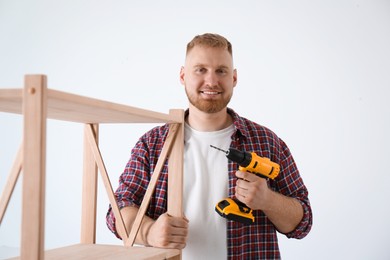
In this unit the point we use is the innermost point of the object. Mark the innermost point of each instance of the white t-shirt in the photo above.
(205, 184)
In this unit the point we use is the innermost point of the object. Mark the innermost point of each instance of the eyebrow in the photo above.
(219, 67)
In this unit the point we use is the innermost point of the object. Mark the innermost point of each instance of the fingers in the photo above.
(169, 232)
(247, 176)
(176, 232)
(177, 221)
(251, 189)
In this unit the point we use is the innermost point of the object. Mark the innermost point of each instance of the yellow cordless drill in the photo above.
(232, 208)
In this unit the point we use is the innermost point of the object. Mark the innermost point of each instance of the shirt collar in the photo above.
(240, 128)
(239, 124)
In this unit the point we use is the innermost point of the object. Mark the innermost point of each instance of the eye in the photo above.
(200, 70)
(221, 71)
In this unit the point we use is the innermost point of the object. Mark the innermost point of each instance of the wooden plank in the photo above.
(76, 108)
(108, 252)
(89, 192)
(105, 112)
(152, 184)
(11, 100)
(175, 166)
(11, 182)
(106, 181)
(34, 168)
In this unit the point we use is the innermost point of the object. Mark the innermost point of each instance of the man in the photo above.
(282, 205)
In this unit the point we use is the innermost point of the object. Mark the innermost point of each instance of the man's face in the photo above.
(209, 78)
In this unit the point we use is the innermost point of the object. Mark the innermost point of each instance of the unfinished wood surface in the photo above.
(37, 103)
(109, 252)
(175, 171)
(169, 141)
(106, 181)
(34, 167)
(76, 108)
(11, 182)
(11, 100)
(89, 191)
(175, 166)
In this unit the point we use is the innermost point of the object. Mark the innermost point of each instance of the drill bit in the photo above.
(242, 158)
(219, 149)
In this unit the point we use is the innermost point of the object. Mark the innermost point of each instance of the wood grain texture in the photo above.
(11, 182)
(106, 180)
(175, 166)
(37, 103)
(76, 108)
(89, 191)
(109, 252)
(34, 167)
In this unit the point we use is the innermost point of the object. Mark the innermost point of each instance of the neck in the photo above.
(208, 122)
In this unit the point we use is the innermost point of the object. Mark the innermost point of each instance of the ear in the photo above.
(234, 77)
(182, 74)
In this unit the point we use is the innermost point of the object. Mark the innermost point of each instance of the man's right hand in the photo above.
(165, 232)
(168, 232)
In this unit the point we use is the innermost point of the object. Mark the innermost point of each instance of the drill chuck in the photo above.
(242, 158)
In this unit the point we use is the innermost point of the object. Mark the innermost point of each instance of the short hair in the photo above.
(210, 40)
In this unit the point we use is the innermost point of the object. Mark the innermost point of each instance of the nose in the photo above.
(211, 79)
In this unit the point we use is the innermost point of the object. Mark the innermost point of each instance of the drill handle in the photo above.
(245, 169)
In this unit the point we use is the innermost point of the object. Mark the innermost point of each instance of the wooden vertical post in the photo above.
(175, 168)
(95, 152)
(89, 200)
(34, 167)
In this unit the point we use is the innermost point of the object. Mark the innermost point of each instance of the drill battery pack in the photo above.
(235, 210)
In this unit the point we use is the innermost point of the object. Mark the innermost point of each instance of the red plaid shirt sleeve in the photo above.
(291, 185)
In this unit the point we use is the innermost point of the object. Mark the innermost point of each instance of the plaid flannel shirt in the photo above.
(256, 241)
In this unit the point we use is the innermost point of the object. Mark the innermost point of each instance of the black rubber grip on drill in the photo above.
(242, 158)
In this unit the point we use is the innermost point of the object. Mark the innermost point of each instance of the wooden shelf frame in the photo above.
(37, 103)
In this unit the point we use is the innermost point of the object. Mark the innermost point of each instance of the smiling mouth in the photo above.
(210, 92)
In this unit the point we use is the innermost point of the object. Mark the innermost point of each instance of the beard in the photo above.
(208, 106)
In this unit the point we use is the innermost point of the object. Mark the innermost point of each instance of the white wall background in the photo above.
(316, 72)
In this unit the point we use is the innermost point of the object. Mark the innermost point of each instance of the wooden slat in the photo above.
(175, 175)
(11, 100)
(89, 195)
(106, 181)
(76, 108)
(175, 166)
(11, 182)
(152, 184)
(34, 167)
(82, 109)
(109, 252)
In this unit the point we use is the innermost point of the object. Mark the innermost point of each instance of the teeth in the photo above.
(210, 92)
